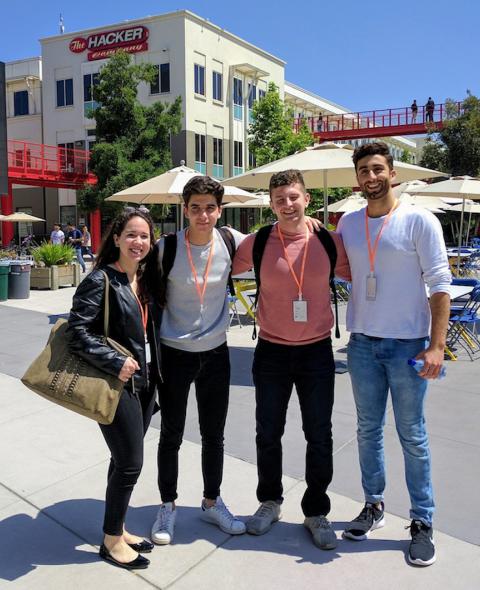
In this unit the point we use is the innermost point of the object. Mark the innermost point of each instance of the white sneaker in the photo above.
(162, 528)
(220, 515)
(267, 513)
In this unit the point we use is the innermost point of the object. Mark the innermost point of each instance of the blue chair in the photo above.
(463, 326)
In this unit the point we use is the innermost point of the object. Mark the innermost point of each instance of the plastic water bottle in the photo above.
(417, 364)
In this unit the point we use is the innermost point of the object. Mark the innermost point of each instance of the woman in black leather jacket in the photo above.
(133, 320)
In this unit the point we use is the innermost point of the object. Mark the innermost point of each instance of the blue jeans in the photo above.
(377, 365)
(276, 369)
(78, 254)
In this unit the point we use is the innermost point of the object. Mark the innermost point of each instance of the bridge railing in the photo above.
(379, 118)
(39, 160)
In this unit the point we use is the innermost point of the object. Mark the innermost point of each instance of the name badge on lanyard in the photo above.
(299, 305)
(371, 282)
(299, 310)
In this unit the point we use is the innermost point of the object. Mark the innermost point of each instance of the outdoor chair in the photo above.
(233, 310)
(343, 289)
(462, 329)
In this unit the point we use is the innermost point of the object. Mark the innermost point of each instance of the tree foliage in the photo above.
(133, 140)
(456, 148)
(271, 133)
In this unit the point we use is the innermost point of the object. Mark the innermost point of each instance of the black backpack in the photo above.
(327, 242)
(170, 251)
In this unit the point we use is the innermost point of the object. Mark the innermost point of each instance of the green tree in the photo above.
(456, 148)
(133, 140)
(271, 133)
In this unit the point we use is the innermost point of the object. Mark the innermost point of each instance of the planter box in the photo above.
(52, 277)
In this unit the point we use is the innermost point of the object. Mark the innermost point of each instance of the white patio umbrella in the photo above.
(326, 165)
(431, 203)
(465, 187)
(352, 203)
(261, 201)
(20, 218)
(167, 188)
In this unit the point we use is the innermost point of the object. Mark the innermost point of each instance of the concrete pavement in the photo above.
(53, 467)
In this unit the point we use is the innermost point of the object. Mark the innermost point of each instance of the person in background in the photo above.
(134, 323)
(57, 236)
(430, 108)
(414, 109)
(87, 243)
(75, 239)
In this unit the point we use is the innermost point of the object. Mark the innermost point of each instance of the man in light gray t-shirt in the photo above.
(194, 350)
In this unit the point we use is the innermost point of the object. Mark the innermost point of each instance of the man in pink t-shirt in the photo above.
(294, 348)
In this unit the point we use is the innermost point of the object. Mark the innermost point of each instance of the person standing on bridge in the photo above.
(430, 107)
(414, 108)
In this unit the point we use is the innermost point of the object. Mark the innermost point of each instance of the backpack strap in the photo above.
(259, 243)
(168, 258)
(331, 249)
(229, 240)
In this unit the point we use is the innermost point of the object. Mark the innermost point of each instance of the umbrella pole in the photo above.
(468, 227)
(325, 199)
(460, 237)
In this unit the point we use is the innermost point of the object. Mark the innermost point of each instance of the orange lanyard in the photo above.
(372, 252)
(200, 290)
(302, 271)
(143, 309)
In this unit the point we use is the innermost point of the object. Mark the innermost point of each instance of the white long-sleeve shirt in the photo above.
(411, 253)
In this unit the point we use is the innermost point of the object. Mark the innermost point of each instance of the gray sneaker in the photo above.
(221, 516)
(323, 534)
(164, 525)
(261, 522)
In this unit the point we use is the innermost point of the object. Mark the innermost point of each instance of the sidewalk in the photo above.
(52, 482)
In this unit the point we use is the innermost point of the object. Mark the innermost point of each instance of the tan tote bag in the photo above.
(66, 379)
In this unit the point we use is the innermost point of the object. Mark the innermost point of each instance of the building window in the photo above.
(199, 79)
(252, 160)
(217, 157)
(20, 103)
(217, 86)
(68, 214)
(89, 104)
(237, 157)
(161, 83)
(261, 94)
(252, 97)
(65, 93)
(67, 156)
(200, 154)
(237, 99)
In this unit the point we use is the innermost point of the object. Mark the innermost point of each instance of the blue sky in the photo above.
(363, 55)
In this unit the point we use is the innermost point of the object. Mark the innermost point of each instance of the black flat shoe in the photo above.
(139, 563)
(142, 547)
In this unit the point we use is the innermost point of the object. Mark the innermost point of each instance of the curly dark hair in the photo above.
(285, 178)
(203, 185)
(372, 149)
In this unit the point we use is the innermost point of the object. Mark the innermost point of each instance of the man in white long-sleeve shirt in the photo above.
(394, 249)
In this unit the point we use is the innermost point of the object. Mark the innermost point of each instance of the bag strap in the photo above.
(106, 304)
(327, 242)
(259, 243)
(231, 247)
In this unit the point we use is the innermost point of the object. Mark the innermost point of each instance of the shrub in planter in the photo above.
(53, 254)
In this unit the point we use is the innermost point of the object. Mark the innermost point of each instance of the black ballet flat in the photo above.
(139, 563)
(142, 547)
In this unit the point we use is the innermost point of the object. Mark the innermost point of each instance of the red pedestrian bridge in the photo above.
(379, 123)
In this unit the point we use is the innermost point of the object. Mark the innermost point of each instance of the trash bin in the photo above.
(4, 270)
(19, 281)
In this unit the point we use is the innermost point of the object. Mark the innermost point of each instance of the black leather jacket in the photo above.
(85, 327)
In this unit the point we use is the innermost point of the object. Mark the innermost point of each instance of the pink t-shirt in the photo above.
(279, 289)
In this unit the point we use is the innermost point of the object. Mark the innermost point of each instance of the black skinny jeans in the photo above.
(276, 369)
(210, 371)
(124, 437)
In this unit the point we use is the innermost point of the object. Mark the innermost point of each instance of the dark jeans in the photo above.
(124, 437)
(210, 371)
(276, 369)
(87, 250)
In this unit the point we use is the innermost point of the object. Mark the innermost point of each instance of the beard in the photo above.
(379, 193)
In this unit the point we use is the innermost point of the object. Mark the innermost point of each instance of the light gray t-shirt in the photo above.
(185, 325)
